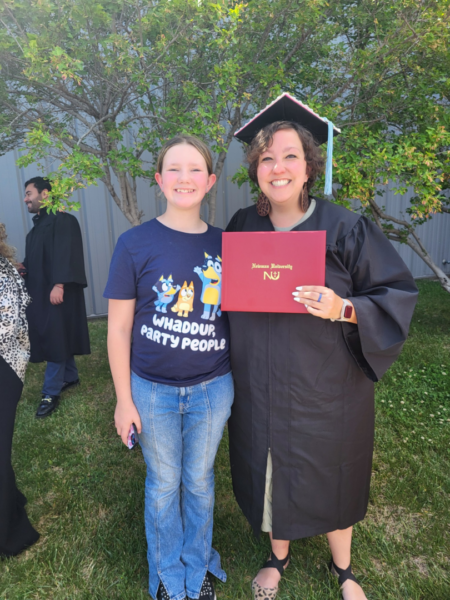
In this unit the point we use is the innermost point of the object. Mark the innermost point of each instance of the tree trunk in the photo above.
(413, 241)
(127, 201)
(212, 200)
(444, 280)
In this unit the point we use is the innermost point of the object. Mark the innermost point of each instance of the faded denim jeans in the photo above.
(56, 373)
(181, 431)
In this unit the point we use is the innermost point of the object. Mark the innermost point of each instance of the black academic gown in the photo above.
(304, 385)
(54, 254)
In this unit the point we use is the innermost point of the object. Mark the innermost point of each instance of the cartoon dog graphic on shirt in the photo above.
(211, 277)
(166, 293)
(185, 302)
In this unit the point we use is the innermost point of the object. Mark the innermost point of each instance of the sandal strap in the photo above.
(343, 574)
(276, 563)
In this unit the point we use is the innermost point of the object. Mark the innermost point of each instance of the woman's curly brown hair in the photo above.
(263, 139)
(6, 250)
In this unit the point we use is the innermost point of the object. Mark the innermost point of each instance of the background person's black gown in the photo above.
(304, 385)
(16, 531)
(54, 254)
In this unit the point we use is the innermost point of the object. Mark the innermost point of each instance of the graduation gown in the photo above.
(304, 385)
(54, 254)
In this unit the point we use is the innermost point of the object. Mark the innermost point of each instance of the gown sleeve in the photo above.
(384, 297)
(25, 258)
(68, 258)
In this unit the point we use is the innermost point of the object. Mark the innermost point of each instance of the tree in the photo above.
(391, 99)
(101, 86)
(417, 160)
(403, 134)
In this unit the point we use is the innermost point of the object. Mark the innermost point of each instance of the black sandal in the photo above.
(342, 574)
(273, 563)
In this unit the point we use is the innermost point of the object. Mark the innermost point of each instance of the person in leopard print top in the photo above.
(14, 341)
(16, 531)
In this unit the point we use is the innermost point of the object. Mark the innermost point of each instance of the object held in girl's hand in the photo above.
(132, 439)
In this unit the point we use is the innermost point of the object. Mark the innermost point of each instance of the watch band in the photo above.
(346, 311)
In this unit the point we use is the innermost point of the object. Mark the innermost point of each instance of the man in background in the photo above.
(55, 279)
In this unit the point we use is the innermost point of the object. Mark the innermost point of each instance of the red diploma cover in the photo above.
(262, 269)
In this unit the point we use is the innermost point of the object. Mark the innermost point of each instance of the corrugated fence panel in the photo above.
(13, 212)
(102, 222)
(434, 234)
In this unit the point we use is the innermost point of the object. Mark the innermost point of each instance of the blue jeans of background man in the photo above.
(181, 431)
(56, 374)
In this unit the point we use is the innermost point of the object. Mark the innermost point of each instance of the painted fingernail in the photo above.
(295, 293)
(299, 288)
(297, 299)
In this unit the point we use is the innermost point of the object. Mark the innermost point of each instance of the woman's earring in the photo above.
(263, 205)
(304, 199)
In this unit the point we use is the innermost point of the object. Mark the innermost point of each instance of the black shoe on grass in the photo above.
(47, 406)
(162, 594)
(69, 384)
(207, 590)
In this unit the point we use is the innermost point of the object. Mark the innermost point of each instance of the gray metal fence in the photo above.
(102, 222)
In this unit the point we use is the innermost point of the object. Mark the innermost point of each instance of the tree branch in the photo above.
(92, 129)
(11, 34)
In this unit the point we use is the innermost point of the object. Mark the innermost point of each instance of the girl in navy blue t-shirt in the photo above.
(169, 354)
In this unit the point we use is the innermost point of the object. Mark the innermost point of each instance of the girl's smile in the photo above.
(184, 179)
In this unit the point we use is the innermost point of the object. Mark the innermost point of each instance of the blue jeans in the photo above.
(56, 373)
(181, 431)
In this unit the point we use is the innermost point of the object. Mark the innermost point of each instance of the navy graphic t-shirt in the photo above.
(180, 335)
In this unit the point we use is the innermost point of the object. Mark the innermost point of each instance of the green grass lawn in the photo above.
(85, 490)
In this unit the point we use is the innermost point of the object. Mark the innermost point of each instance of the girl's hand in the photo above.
(126, 414)
(319, 301)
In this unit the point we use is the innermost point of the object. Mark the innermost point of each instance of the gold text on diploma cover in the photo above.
(273, 275)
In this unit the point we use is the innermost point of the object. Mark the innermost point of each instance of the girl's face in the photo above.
(282, 169)
(184, 179)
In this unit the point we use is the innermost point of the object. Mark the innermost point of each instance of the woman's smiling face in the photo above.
(282, 169)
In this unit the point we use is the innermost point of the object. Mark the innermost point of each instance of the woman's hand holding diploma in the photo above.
(322, 302)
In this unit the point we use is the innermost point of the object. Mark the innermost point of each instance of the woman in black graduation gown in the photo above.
(302, 424)
(16, 531)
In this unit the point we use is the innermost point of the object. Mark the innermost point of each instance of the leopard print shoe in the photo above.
(260, 593)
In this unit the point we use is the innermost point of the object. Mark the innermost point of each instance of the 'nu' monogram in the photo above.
(274, 275)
